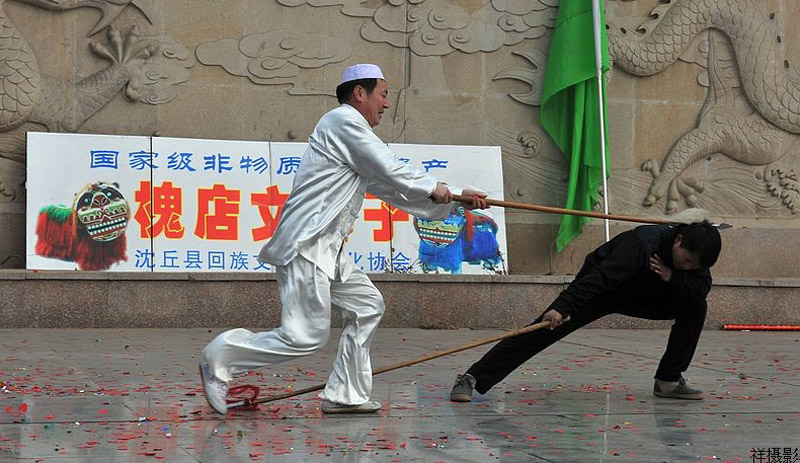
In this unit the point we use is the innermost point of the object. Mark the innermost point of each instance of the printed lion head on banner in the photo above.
(91, 233)
(463, 236)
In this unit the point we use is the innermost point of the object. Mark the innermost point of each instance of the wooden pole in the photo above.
(558, 210)
(424, 358)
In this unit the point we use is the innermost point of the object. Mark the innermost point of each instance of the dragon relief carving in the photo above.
(426, 27)
(784, 184)
(752, 110)
(275, 57)
(532, 165)
(145, 68)
(433, 29)
(531, 76)
(440, 27)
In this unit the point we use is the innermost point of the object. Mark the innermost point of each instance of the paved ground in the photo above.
(133, 396)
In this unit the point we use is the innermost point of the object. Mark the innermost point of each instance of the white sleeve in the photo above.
(366, 154)
(423, 208)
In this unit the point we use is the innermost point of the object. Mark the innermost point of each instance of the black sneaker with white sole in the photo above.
(676, 390)
(462, 389)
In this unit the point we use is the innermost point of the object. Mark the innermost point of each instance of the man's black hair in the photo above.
(345, 91)
(701, 238)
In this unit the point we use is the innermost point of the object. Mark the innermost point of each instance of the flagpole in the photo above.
(598, 55)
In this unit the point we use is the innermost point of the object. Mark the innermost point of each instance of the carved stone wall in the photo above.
(707, 101)
(704, 105)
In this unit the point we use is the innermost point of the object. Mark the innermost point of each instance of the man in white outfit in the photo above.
(344, 160)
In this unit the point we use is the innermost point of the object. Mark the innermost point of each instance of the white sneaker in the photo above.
(214, 389)
(371, 406)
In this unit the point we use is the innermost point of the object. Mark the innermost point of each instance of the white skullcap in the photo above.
(361, 71)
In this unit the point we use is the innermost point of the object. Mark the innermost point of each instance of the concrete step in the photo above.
(71, 299)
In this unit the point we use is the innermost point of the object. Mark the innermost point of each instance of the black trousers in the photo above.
(510, 353)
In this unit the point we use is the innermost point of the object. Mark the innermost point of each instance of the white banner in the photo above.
(102, 202)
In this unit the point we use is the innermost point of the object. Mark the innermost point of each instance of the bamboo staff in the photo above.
(688, 215)
(252, 401)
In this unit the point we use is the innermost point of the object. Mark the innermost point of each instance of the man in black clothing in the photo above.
(657, 272)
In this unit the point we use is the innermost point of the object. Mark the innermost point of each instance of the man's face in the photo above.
(683, 259)
(372, 105)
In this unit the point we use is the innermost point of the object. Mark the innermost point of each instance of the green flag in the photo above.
(570, 111)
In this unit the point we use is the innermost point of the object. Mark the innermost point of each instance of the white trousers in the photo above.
(306, 294)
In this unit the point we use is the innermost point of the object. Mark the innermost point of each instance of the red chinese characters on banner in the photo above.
(143, 198)
(218, 210)
(220, 222)
(387, 216)
(167, 209)
(265, 202)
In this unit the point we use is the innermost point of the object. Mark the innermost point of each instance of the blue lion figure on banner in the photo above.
(463, 236)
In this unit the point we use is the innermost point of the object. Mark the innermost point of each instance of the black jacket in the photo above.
(622, 266)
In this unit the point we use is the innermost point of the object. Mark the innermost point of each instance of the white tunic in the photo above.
(344, 160)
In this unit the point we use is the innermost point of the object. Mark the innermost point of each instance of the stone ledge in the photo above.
(75, 275)
(55, 299)
(377, 277)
